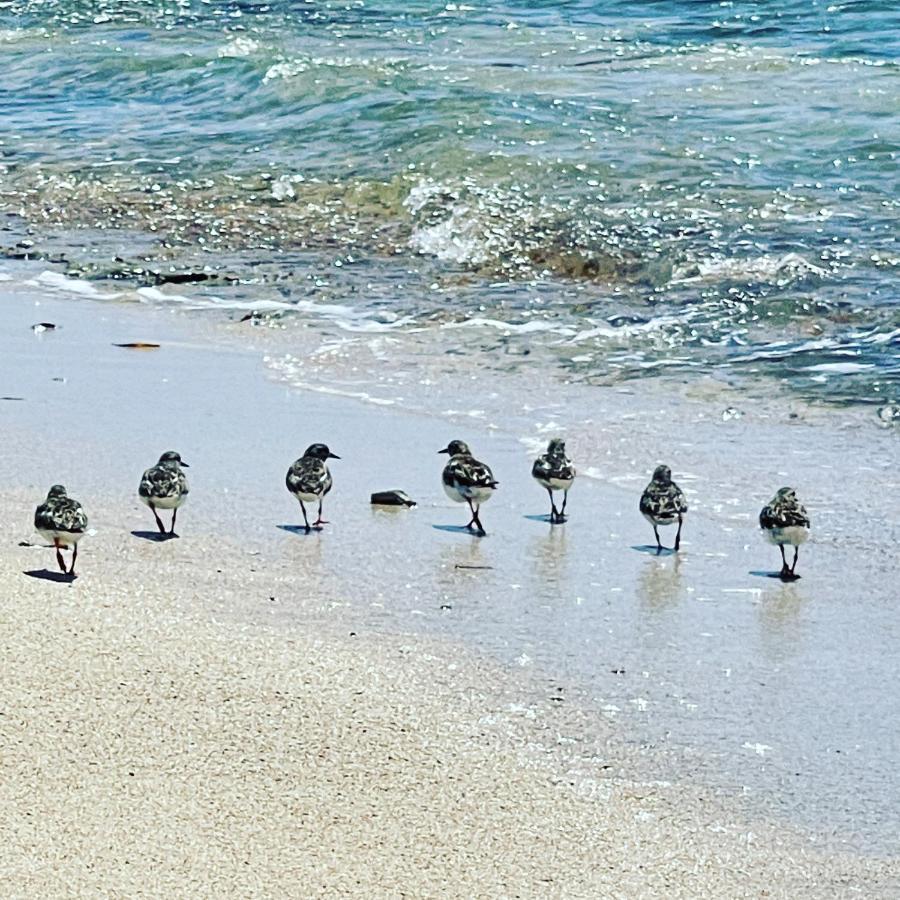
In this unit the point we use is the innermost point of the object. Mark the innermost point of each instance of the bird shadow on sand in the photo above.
(155, 536)
(458, 529)
(300, 529)
(653, 550)
(50, 575)
(787, 579)
(547, 519)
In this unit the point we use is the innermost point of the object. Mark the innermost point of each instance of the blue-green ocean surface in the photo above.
(664, 186)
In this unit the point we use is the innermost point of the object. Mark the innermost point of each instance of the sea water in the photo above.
(643, 188)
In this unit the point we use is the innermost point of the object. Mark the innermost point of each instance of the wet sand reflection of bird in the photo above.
(550, 561)
(659, 584)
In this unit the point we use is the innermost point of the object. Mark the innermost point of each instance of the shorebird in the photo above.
(555, 472)
(308, 479)
(466, 480)
(664, 503)
(785, 521)
(164, 486)
(61, 521)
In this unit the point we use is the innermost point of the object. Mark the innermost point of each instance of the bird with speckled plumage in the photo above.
(554, 471)
(309, 480)
(663, 503)
(785, 522)
(467, 480)
(165, 486)
(62, 522)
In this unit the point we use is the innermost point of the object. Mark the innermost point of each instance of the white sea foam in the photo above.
(624, 331)
(14, 35)
(783, 349)
(283, 188)
(533, 445)
(59, 282)
(535, 325)
(885, 337)
(239, 48)
(155, 295)
(456, 239)
(290, 68)
(349, 319)
(344, 317)
(289, 370)
(760, 749)
(760, 58)
(841, 368)
(466, 223)
(777, 269)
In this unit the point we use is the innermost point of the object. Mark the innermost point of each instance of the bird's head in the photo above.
(662, 475)
(57, 492)
(556, 447)
(457, 448)
(320, 451)
(171, 458)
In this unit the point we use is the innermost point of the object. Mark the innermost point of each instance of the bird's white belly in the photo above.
(165, 502)
(793, 535)
(659, 522)
(463, 493)
(307, 498)
(451, 491)
(65, 538)
(556, 484)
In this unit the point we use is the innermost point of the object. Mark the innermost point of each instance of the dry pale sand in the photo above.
(154, 746)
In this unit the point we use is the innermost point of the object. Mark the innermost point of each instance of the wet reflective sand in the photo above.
(779, 692)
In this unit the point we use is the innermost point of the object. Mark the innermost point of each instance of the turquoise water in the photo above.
(667, 186)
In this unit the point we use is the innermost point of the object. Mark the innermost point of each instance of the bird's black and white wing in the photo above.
(547, 468)
(64, 514)
(663, 501)
(163, 483)
(308, 477)
(468, 475)
(783, 514)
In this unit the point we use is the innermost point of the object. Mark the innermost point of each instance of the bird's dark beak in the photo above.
(333, 456)
(445, 450)
(184, 465)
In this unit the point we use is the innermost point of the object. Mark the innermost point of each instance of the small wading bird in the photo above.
(785, 521)
(61, 521)
(663, 503)
(555, 472)
(164, 486)
(466, 480)
(308, 479)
